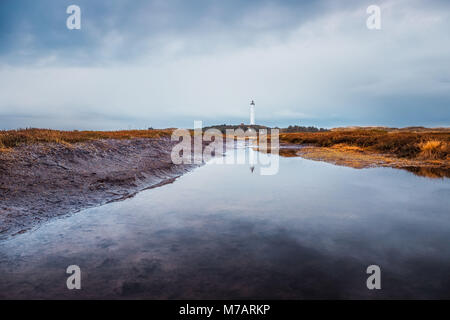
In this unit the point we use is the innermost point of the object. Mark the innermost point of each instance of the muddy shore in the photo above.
(42, 181)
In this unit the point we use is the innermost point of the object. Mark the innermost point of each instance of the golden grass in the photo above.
(14, 138)
(434, 149)
(426, 145)
(401, 143)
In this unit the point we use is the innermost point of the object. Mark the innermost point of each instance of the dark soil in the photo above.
(42, 181)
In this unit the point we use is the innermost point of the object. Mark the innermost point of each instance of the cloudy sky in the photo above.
(164, 63)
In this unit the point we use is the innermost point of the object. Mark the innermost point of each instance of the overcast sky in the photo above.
(164, 63)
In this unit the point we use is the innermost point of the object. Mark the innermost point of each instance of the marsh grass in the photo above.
(401, 143)
(14, 138)
(423, 144)
(434, 149)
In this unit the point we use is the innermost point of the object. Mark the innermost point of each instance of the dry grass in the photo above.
(401, 143)
(434, 149)
(411, 144)
(14, 138)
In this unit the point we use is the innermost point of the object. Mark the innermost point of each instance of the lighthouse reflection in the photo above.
(252, 158)
(245, 152)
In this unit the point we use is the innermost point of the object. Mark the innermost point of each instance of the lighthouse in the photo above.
(252, 113)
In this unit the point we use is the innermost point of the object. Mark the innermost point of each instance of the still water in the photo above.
(223, 231)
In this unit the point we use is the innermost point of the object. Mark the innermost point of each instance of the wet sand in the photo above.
(42, 181)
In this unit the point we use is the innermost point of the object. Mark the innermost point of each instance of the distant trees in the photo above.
(302, 129)
(222, 128)
(245, 127)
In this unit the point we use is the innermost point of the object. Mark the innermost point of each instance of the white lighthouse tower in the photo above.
(252, 113)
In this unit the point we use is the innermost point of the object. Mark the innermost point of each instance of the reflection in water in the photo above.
(308, 232)
(252, 159)
(428, 172)
(433, 173)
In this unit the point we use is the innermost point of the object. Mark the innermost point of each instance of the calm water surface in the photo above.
(222, 231)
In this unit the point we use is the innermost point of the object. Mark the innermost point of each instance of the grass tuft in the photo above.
(434, 149)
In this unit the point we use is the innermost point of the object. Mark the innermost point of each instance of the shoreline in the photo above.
(42, 181)
(357, 158)
(422, 151)
(73, 171)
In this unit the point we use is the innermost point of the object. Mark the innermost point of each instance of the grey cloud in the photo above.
(168, 63)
